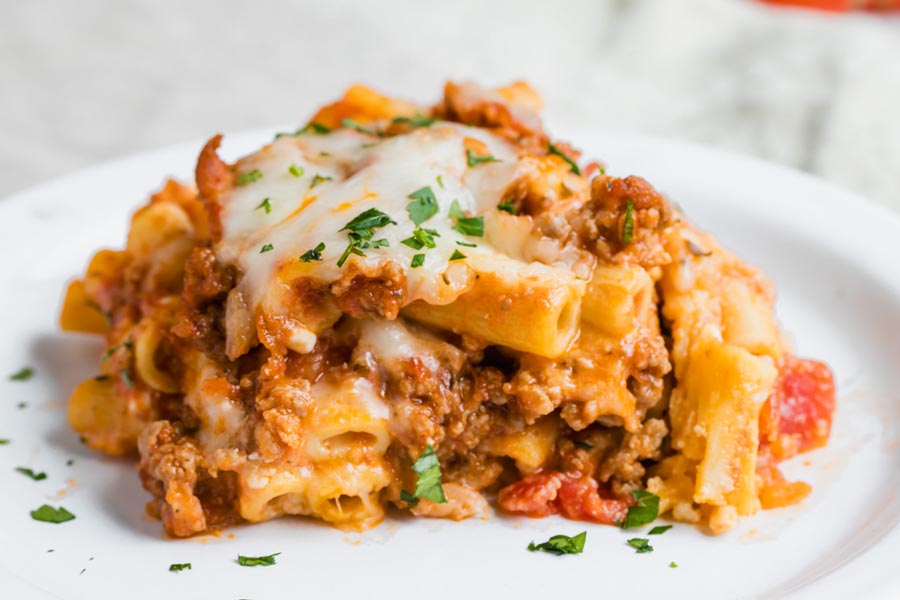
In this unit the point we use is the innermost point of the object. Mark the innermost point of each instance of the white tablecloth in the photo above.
(87, 81)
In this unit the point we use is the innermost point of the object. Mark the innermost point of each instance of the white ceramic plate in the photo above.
(834, 257)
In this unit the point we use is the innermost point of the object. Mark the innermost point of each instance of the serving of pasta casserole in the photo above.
(432, 308)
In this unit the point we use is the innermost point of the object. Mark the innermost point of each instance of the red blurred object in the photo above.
(797, 416)
(839, 5)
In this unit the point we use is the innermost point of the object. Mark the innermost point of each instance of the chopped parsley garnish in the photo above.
(23, 374)
(21, 405)
(466, 244)
(325, 154)
(314, 254)
(573, 166)
(457, 255)
(673, 565)
(406, 496)
(48, 514)
(428, 482)
(417, 120)
(265, 205)
(248, 177)
(584, 445)
(362, 229)
(561, 544)
(423, 206)
(440, 181)
(123, 374)
(101, 377)
(295, 170)
(421, 238)
(473, 160)
(126, 344)
(507, 206)
(473, 226)
(645, 511)
(317, 179)
(417, 261)
(266, 248)
(640, 545)
(628, 225)
(4, 442)
(178, 567)
(29, 473)
(70, 462)
(257, 561)
(353, 124)
(660, 529)
(316, 128)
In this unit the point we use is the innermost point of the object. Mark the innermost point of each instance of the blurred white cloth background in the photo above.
(87, 81)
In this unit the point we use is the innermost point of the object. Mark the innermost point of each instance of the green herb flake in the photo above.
(421, 238)
(266, 248)
(417, 261)
(295, 170)
(423, 206)
(417, 120)
(673, 565)
(70, 462)
(128, 344)
(314, 254)
(404, 495)
(179, 567)
(353, 124)
(362, 229)
(257, 561)
(317, 179)
(314, 127)
(640, 545)
(507, 206)
(561, 544)
(248, 177)
(466, 244)
(366, 220)
(628, 225)
(645, 511)
(126, 378)
(440, 181)
(473, 160)
(265, 205)
(584, 445)
(48, 514)
(4, 442)
(573, 166)
(101, 377)
(472, 226)
(428, 482)
(457, 255)
(659, 529)
(29, 473)
(23, 374)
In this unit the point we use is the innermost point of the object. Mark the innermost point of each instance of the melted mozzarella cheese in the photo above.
(345, 173)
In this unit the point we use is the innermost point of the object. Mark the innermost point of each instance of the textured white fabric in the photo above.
(92, 80)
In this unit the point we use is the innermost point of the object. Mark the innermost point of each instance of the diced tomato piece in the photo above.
(574, 496)
(797, 416)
